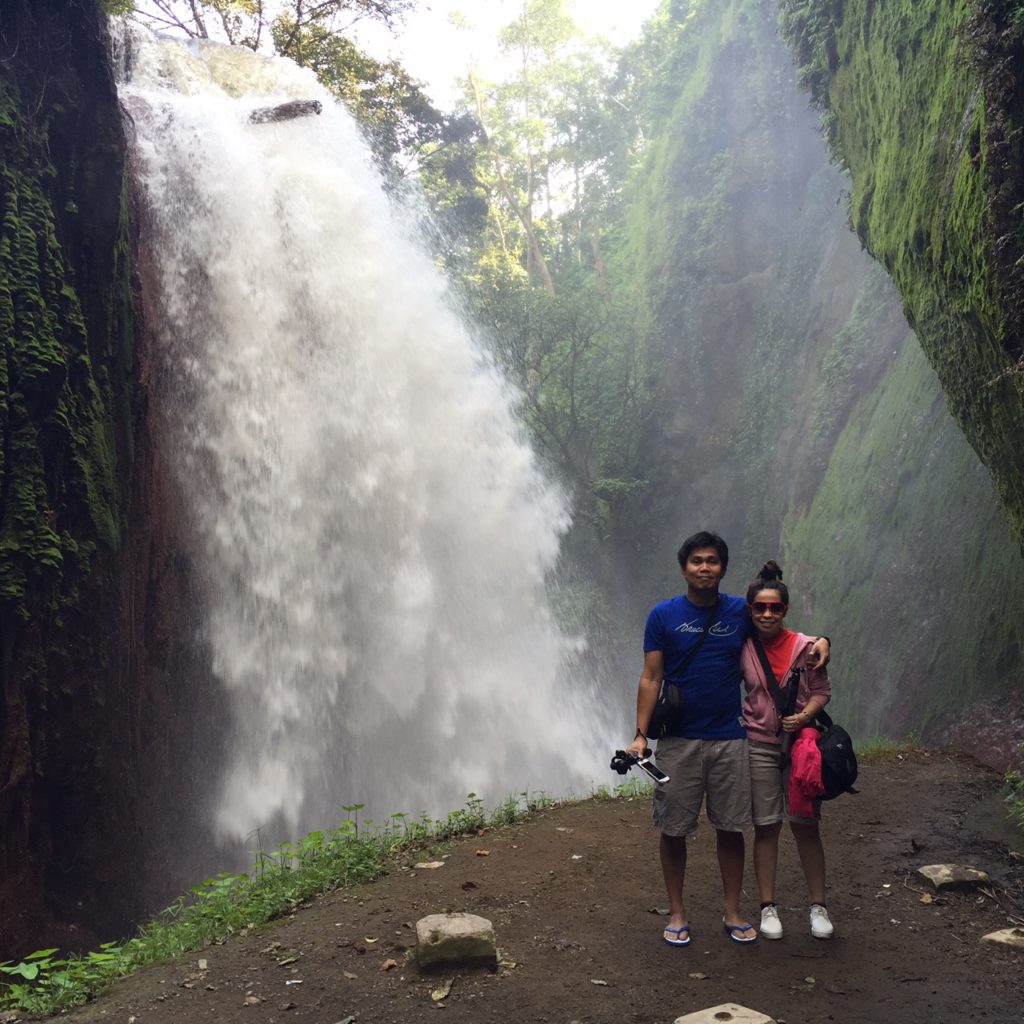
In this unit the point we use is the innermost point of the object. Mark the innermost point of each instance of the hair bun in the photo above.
(770, 571)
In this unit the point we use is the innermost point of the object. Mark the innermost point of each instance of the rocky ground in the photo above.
(574, 896)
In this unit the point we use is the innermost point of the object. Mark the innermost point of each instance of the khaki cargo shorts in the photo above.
(718, 770)
(769, 786)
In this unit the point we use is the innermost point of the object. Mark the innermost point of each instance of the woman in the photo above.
(775, 711)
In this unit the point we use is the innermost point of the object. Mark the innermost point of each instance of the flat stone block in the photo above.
(1006, 937)
(445, 941)
(727, 1013)
(952, 877)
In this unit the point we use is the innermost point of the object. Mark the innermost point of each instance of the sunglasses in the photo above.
(760, 607)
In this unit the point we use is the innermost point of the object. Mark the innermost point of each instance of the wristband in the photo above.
(640, 732)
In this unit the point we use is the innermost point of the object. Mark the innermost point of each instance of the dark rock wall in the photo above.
(97, 706)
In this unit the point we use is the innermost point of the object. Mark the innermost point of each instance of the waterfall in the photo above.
(376, 536)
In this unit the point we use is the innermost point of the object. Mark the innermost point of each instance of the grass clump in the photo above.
(281, 881)
(1013, 792)
(880, 748)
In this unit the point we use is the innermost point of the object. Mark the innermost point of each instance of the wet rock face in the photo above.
(65, 416)
(96, 707)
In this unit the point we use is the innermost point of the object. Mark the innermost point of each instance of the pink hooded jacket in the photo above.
(759, 712)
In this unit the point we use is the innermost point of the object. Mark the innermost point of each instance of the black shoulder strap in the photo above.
(785, 699)
(700, 640)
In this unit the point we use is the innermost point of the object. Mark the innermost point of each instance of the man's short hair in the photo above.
(704, 539)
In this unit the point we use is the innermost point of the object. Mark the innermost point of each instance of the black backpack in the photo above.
(838, 761)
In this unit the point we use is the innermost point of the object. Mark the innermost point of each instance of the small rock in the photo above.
(428, 865)
(1006, 937)
(253, 1000)
(953, 877)
(455, 940)
(443, 992)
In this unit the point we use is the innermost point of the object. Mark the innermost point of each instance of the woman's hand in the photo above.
(794, 723)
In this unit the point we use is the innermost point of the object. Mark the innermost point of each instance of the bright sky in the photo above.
(432, 49)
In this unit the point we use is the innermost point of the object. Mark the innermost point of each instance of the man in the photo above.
(694, 641)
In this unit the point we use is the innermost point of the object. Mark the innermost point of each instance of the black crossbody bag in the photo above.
(668, 712)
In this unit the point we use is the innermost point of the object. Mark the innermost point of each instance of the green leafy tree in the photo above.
(578, 363)
(529, 198)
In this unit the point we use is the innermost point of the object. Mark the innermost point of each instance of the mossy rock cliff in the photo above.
(922, 102)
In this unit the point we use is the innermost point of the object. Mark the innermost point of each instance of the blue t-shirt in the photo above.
(712, 688)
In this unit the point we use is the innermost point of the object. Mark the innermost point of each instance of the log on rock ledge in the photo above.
(286, 111)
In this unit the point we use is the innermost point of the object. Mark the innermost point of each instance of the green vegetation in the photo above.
(58, 460)
(1013, 792)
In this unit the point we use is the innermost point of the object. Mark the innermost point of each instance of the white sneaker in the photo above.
(821, 923)
(771, 926)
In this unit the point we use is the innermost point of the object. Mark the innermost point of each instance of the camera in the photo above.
(623, 761)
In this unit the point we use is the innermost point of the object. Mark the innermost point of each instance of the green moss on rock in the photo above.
(905, 541)
(922, 104)
(57, 464)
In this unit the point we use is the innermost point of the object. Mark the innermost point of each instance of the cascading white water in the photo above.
(377, 534)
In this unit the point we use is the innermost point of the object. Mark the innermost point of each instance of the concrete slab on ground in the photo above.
(726, 1013)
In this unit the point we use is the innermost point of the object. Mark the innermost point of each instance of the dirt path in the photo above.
(573, 897)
